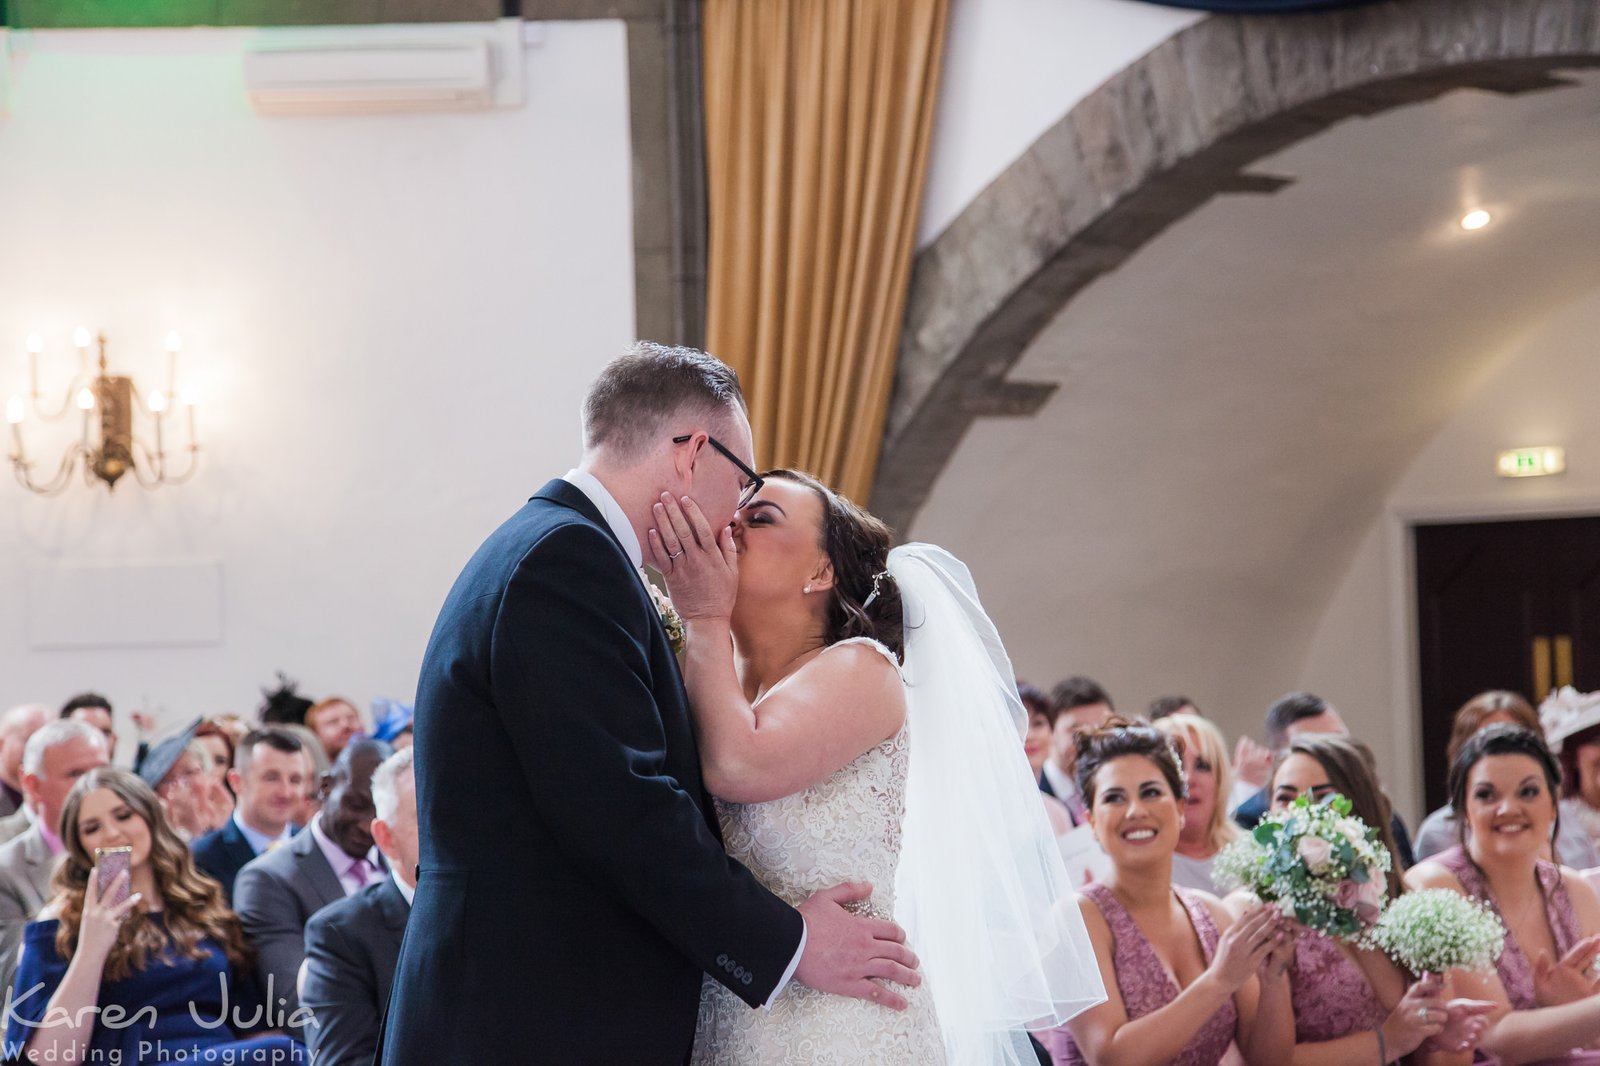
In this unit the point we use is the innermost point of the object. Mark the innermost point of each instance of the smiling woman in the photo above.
(1504, 781)
(1185, 981)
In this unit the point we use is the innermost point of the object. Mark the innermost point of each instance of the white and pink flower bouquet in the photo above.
(1322, 866)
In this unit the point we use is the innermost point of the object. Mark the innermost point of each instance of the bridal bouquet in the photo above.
(1433, 930)
(1320, 864)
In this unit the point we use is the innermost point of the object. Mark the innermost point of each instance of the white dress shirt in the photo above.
(617, 519)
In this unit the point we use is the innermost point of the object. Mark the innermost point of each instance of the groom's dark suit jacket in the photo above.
(573, 885)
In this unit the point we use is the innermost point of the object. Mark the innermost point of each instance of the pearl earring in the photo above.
(807, 590)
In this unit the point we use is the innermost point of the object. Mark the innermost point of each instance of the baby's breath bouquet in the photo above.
(1320, 864)
(1433, 930)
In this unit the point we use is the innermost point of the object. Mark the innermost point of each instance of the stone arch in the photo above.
(1179, 126)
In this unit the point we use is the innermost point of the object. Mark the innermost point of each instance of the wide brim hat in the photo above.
(1567, 712)
(164, 755)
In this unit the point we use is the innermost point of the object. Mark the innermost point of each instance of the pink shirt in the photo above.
(353, 874)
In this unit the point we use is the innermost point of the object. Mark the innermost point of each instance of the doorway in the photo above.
(1502, 605)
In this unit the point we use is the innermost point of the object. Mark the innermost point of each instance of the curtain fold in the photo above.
(818, 115)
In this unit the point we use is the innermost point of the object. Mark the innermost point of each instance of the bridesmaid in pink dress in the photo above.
(1352, 1005)
(1504, 784)
(1184, 980)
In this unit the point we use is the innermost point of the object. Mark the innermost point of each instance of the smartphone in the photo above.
(111, 862)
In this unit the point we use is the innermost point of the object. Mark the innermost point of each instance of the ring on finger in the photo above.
(676, 555)
(1422, 1015)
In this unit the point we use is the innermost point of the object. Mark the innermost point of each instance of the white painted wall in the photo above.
(1542, 392)
(1012, 69)
(391, 320)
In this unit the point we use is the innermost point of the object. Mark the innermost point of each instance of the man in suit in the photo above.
(563, 818)
(18, 724)
(268, 778)
(1291, 716)
(277, 893)
(55, 757)
(1081, 704)
(352, 946)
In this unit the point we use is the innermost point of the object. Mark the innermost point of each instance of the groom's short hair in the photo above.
(639, 391)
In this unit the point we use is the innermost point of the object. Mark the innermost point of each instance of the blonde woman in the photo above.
(1206, 825)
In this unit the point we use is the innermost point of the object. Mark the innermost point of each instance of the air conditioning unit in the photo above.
(375, 69)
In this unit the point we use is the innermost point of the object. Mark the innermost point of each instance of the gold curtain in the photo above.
(818, 115)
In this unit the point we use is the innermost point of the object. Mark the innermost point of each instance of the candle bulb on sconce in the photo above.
(110, 405)
(14, 414)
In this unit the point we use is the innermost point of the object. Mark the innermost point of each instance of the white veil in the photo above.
(981, 889)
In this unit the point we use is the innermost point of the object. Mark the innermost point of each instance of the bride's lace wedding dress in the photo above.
(846, 827)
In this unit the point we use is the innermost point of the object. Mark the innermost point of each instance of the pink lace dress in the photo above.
(1514, 967)
(1146, 985)
(1332, 997)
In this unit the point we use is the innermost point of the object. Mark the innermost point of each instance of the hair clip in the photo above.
(877, 584)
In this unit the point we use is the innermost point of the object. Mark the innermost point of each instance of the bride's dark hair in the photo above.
(858, 545)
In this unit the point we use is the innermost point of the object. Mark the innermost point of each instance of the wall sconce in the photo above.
(107, 448)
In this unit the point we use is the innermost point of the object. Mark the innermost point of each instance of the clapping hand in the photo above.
(1464, 1027)
(102, 919)
(1569, 980)
(1252, 763)
(1248, 945)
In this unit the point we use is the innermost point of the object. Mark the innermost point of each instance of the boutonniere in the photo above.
(671, 621)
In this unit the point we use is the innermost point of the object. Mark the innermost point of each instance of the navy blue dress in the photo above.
(191, 1021)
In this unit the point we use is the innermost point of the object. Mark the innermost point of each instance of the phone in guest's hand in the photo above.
(111, 862)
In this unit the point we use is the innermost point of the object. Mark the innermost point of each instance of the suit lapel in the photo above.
(314, 867)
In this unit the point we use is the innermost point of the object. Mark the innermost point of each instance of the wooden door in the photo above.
(1512, 605)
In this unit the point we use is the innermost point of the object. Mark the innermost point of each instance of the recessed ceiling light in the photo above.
(1475, 219)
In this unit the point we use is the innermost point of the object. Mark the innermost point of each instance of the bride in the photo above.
(858, 723)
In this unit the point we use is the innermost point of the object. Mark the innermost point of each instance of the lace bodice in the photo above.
(1332, 997)
(846, 827)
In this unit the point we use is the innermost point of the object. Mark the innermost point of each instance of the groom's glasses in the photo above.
(751, 486)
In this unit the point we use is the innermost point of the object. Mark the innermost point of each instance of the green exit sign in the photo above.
(1531, 462)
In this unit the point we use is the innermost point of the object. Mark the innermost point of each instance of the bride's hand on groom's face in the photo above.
(850, 955)
(700, 564)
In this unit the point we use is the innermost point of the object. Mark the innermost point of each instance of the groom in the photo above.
(573, 886)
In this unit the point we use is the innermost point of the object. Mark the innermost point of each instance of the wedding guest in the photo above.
(1572, 728)
(1184, 980)
(95, 709)
(1351, 1003)
(1299, 714)
(1081, 704)
(218, 742)
(1205, 827)
(144, 980)
(1036, 745)
(1288, 717)
(191, 798)
(353, 945)
(268, 777)
(316, 769)
(1166, 706)
(1504, 780)
(53, 761)
(1441, 830)
(276, 893)
(336, 722)
(18, 724)
(392, 722)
